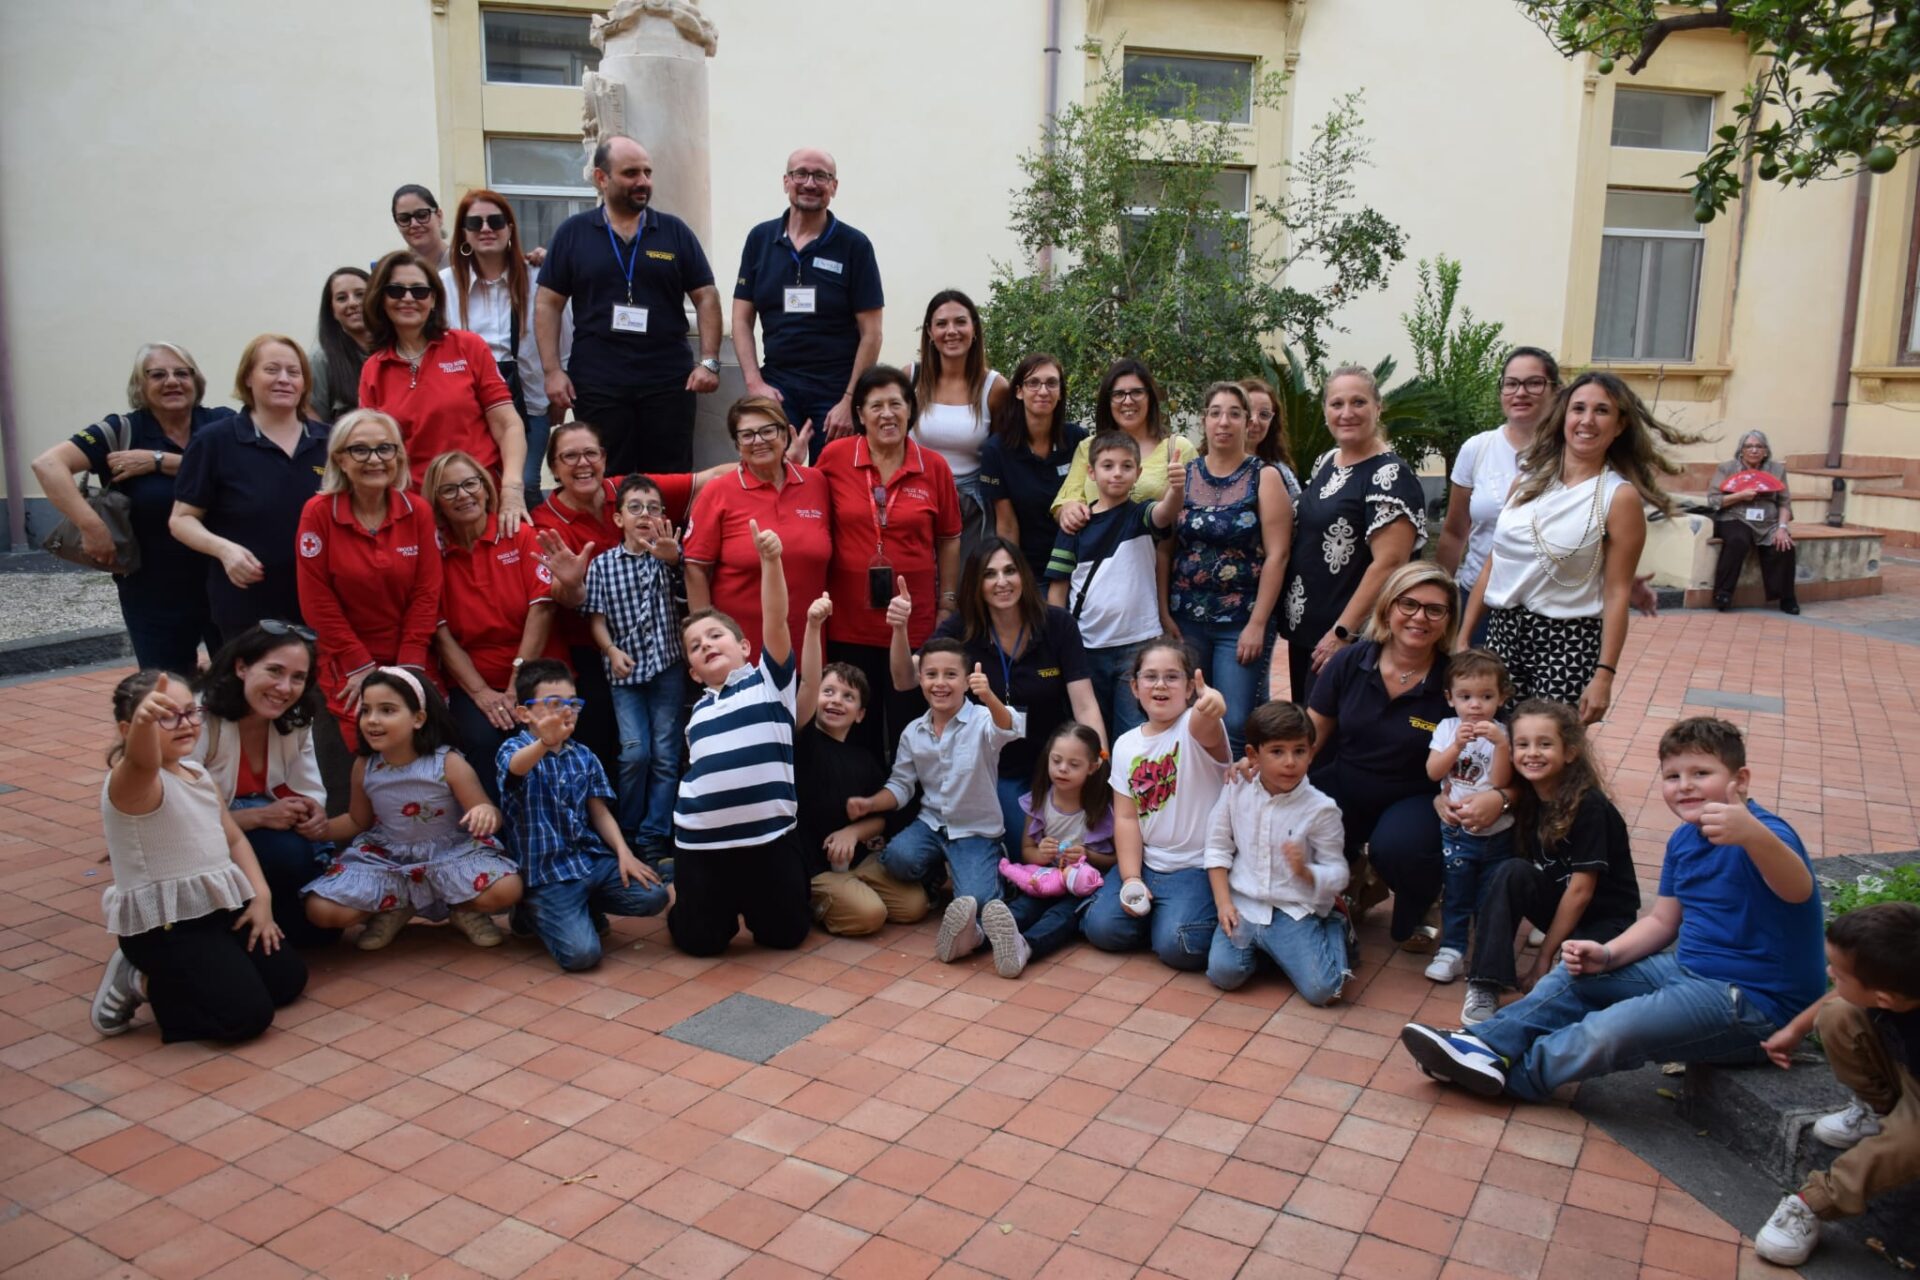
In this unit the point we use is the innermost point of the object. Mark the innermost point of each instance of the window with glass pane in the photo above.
(1223, 87)
(536, 48)
(1910, 349)
(544, 177)
(1649, 277)
(1662, 121)
(1231, 190)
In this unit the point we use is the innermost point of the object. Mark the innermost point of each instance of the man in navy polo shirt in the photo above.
(814, 284)
(626, 268)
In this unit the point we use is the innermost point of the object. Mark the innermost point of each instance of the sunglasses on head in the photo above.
(421, 216)
(418, 292)
(491, 221)
(275, 627)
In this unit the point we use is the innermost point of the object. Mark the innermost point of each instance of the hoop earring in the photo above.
(466, 249)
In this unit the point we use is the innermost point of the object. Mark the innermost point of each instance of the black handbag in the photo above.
(113, 507)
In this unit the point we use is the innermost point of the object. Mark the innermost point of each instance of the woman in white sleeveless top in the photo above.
(959, 398)
(1561, 566)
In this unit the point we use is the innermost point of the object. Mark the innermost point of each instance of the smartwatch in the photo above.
(1341, 634)
(710, 364)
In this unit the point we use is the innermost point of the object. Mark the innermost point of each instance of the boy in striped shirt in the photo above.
(737, 853)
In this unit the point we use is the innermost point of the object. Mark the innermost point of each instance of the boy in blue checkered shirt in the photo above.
(576, 864)
(636, 626)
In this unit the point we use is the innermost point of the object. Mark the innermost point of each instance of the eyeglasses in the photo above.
(169, 375)
(364, 452)
(1408, 606)
(1042, 384)
(557, 703)
(448, 492)
(188, 715)
(1152, 679)
(421, 216)
(491, 221)
(1128, 393)
(418, 292)
(275, 627)
(1532, 386)
(580, 457)
(751, 435)
(819, 177)
(645, 508)
(1263, 415)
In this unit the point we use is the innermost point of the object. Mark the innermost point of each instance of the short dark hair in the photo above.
(1473, 664)
(374, 311)
(853, 677)
(1278, 721)
(1708, 735)
(717, 615)
(1109, 441)
(224, 694)
(884, 375)
(1545, 358)
(636, 480)
(944, 644)
(1882, 945)
(560, 429)
(532, 675)
(1171, 642)
(410, 189)
(604, 150)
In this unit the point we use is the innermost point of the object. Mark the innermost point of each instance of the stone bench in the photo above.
(1832, 563)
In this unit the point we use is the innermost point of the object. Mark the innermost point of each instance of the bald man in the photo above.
(815, 287)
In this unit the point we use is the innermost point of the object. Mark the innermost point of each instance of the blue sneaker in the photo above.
(1456, 1058)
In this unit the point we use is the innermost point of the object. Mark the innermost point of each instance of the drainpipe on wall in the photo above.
(1052, 52)
(10, 440)
(1843, 363)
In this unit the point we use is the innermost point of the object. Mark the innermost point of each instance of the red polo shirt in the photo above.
(577, 528)
(372, 597)
(922, 507)
(445, 406)
(488, 591)
(718, 537)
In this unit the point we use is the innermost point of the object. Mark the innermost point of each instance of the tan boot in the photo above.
(381, 929)
(479, 927)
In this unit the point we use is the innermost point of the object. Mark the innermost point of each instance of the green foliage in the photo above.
(1147, 262)
(1838, 89)
(1460, 363)
(1902, 884)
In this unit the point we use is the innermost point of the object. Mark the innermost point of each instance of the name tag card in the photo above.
(1756, 513)
(799, 301)
(629, 319)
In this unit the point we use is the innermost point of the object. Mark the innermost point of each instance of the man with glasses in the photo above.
(813, 282)
(627, 267)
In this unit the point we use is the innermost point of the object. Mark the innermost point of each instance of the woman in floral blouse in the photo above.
(1236, 520)
(1359, 519)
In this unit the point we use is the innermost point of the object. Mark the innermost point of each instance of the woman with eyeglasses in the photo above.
(243, 483)
(370, 569)
(1128, 400)
(1030, 450)
(440, 384)
(260, 703)
(1373, 711)
(496, 608)
(1487, 465)
(1753, 515)
(164, 601)
(417, 214)
(721, 564)
(344, 344)
(491, 288)
(959, 399)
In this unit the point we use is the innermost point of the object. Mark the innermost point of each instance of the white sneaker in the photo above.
(1535, 937)
(959, 935)
(1790, 1234)
(1482, 1002)
(1447, 965)
(1843, 1129)
(118, 995)
(1010, 951)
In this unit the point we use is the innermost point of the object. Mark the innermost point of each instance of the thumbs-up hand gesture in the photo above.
(161, 704)
(1176, 479)
(820, 610)
(900, 608)
(1208, 704)
(977, 683)
(766, 542)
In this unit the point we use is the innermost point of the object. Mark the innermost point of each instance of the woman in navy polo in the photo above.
(1374, 709)
(164, 601)
(1022, 465)
(242, 484)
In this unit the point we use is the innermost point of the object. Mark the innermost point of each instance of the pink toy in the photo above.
(1081, 879)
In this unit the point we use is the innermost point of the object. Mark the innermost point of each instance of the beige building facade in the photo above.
(191, 170)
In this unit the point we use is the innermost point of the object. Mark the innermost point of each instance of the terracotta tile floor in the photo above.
(437, 1110)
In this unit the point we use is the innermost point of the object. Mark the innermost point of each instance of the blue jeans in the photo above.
(804, 404)
(1013, 821)
(288, 861)
(538, 425)
(1312, 952)
(1047, 924)
(1466, 858)
(562, 913)
(1239, 685)
(478, 740)
(1179, 926)
(1110, 669)
(915, 855)
(1653, 1010)
(649, 718)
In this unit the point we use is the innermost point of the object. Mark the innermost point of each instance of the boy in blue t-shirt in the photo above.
(1736, 892)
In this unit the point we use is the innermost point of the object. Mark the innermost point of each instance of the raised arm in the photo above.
(776, 637)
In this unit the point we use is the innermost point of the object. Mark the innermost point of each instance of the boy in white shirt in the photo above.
(1469, 753)
(1276, 862)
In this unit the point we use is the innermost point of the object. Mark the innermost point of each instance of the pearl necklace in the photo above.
(1552, 558)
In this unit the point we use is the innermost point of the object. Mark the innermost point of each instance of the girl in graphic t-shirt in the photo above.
(1166, 776)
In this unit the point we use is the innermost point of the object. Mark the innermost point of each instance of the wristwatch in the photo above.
(159, 457)
(1341, 634)
(710, 364)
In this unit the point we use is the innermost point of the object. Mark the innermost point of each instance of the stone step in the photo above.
(1831, 564)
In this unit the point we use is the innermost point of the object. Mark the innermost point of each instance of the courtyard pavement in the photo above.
(435, 1110)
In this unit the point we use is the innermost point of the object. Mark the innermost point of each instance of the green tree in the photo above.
(1150, 264)
(1459, 363)
(1838, 88)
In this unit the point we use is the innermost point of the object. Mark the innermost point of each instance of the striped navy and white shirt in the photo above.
(738, 788)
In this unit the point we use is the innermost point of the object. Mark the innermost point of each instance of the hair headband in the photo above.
(409, 679)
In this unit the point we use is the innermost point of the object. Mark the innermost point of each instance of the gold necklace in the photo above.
(1551, 558)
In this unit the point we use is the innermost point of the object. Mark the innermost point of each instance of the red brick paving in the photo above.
(439, 1111)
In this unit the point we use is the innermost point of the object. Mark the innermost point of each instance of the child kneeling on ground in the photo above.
(576, 863)
(1870, 1027)
(1276, 858)
(1736, 892)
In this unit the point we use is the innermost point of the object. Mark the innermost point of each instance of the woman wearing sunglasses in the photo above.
(422, 225)
(440, 384)
(496, 608)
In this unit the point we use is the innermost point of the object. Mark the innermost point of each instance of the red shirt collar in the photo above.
(567, 514)
(748, 480)
(391, 353)
(911, 462)
(398, 505)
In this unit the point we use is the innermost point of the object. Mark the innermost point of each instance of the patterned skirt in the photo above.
(1552, 658)
(373, 875)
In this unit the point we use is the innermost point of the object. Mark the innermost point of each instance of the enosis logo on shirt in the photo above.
(510, 556)
(1049, 673)
(453, 366)
(660, 255)
(810, 513)
(914, 491)
(407, 551)
(1424, 726)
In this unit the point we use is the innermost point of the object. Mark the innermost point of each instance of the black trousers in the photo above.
(892, 709)
(713, 889)
(288, 861)
(596, 728)
(204, 984)
(1401, 834)
(648, 431)
(1737, 537)
(1513, 891)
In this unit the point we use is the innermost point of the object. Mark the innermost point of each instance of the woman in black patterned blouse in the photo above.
(1357, 520)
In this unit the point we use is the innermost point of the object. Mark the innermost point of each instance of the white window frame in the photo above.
(1706, 140)
(1243, 215)
(1251, 64)
(485, 9)
(1643, 313)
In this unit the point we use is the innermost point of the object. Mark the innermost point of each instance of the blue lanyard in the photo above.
(1006, 663)
(629, 264)
(786, 238)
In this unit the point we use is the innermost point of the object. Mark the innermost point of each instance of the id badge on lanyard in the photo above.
(879, 569)
(628, 318)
